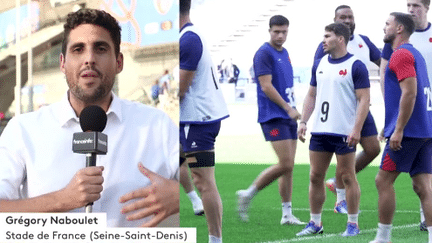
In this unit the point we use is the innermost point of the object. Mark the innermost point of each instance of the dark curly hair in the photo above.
(96, 17)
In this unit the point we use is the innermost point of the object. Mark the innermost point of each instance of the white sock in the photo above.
(384, 232)
(341, 195)
(251, 191)
(193, 197)
(286, 208)
(316, 218)
(422, 217)
(214, 239)
(353, 218)
(430, 233)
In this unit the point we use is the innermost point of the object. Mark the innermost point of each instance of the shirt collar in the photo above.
(115, 108)
(186, 25)
(427, 28)
(67, 114)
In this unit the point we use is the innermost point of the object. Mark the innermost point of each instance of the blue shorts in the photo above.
(369, 127)
(199, 137)
(414, 157)
(330, 143)
(279, 129)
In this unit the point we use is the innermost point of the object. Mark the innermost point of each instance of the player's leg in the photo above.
(371, 149)
(422, 186)
(319, 163)
(370, 144)
(386, 203)
(204, 180)
(285, 151)
(186, 182)
(421, 175)
(282, 134)
(320, 154)
(285, 165)
(392, 164)
(345, 170)
(198, 144)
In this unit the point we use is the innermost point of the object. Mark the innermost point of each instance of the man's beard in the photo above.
(100, 92)
(389, 39)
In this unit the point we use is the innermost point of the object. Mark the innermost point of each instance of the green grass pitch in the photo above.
(265, 210)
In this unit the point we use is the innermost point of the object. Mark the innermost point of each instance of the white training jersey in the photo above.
(204, 101)
(358, 47)
(422, 41)
(336, 100)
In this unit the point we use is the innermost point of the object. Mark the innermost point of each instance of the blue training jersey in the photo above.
(405, 62)
(269, 61)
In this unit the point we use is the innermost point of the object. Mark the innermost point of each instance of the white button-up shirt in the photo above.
(36, 153)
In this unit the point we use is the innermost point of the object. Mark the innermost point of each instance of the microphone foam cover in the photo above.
(93, 118)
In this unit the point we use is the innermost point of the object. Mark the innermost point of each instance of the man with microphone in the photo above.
(137, 178)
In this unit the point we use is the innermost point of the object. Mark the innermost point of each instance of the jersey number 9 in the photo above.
(324, 111)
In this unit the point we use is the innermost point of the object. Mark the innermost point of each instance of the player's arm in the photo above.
(363, 102)
(186, 78)
(271, 92)
(361, 81)
(308, 107)
(191, 49)
(374, 52)
(406, 106)
(402, 64)
(382, 69)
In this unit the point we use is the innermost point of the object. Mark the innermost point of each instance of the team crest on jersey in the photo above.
(430, 39)
(274, 132)
(343, 73)
(360, 45)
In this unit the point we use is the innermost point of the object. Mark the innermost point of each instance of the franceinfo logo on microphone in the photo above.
(89, 142)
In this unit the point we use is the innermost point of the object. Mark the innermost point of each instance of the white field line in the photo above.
(361, 210)
(336, 235)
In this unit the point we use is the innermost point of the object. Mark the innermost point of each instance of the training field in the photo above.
(265, 210)
(242, 153)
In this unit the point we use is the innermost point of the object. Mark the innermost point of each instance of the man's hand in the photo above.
(161, 199)
(353, 139)
(294, 114)
(301, 131)
(85, 187)
(395, 143)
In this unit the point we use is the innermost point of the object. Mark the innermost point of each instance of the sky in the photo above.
(307, 21)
